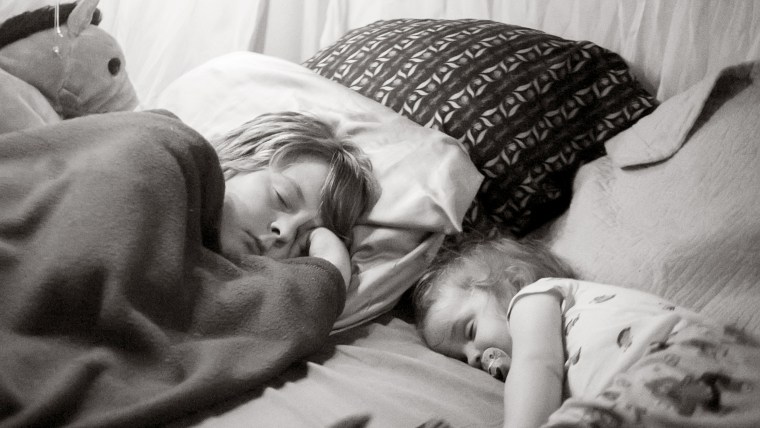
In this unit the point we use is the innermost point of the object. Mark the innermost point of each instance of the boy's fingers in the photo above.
(301, 246)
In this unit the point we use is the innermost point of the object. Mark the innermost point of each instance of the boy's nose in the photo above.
(284, 229)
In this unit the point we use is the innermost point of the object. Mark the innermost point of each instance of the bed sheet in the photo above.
(381, 369)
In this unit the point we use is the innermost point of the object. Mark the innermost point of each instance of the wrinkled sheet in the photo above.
(114, 310)
(382, 370)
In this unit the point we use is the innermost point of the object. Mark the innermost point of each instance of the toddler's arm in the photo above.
(533, 389)
(326, 245)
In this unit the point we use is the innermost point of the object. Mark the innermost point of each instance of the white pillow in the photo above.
(427, 179)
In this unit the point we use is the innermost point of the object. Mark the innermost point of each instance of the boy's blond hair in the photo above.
(280, 139)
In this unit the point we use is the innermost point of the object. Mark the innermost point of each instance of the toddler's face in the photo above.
(267, 211)
(463, 323)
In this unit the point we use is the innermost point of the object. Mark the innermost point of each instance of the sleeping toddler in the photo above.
(578, 353)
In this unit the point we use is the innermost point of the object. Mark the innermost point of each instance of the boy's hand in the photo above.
(322, 243)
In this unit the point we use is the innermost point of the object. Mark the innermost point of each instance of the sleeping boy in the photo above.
(292, 187)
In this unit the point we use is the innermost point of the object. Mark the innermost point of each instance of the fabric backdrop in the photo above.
(649, 34)
(656, 37)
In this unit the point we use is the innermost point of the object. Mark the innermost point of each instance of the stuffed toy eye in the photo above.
(114, 65)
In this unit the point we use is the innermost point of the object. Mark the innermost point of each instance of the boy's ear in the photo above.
(81, 16)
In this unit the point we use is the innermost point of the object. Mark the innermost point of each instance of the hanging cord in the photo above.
(57, 17)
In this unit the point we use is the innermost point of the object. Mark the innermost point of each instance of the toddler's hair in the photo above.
(500, 266)
(280, 139)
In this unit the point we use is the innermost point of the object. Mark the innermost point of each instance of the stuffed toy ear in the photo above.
(81, 16)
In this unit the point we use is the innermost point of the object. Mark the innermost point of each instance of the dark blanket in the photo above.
(114, 310)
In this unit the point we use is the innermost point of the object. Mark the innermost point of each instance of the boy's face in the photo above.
(268, 212)
(463, 323)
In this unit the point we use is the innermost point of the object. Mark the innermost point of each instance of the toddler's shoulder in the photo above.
(563, 288)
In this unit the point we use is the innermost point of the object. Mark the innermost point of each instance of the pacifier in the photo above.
(496, 362)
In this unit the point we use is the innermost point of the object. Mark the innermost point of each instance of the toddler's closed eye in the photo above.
(471, 330)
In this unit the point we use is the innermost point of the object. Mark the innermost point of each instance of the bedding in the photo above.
(115, 311)
(529, 107)
(674, 209)
(678, 206)
(382, 370)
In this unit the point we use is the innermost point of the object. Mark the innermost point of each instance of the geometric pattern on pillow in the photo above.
(529, 107)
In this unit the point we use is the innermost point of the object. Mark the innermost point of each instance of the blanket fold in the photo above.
(115, 310)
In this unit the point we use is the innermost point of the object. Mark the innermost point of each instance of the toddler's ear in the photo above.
(518, 275)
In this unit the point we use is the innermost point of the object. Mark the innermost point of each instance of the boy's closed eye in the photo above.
(286, 192)
(281, 200)
(283, 197)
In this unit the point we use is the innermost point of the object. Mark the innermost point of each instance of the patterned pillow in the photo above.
(529, 107)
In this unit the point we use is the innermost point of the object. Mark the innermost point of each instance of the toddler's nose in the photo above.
(473, 358)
